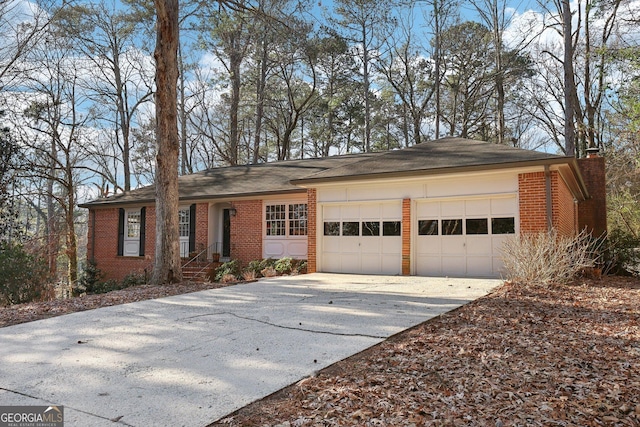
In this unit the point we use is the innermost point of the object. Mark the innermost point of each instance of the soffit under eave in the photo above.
(570, 173)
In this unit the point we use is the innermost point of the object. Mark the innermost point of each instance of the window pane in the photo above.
(370, 228)
(451, 227)
(503, 226)
(298, 219)
(428, 227)
(350, 228)
(276, 220)
(133, 224)
(391, 228)
(183, 222)
(477, 226)
(332, 228)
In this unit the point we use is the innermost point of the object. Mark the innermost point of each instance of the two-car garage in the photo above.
(449, 236)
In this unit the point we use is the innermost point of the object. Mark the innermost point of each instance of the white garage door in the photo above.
(463, 238)
(362, 238)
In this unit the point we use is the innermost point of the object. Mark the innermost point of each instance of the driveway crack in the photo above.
(293, 328)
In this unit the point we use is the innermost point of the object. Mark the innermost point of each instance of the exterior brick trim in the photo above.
(406, 237)
(312, 218)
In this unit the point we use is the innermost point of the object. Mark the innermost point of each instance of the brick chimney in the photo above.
(592, 213)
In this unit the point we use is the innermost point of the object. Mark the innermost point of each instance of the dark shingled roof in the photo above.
(440, 156)
(235, 181)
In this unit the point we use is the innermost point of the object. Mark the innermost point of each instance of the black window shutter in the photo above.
(192, 228)
(143, 223)
(120, 232)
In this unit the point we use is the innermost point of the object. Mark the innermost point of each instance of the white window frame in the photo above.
(283, 220)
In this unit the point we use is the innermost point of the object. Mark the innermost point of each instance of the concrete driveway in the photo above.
(188, 360)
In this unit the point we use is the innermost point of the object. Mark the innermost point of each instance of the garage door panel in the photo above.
(504, 206)
(473, 252)
(480, 265)
(390, 263)
(370, 212)
(331, 213)
(478, 245)
(371, 264)
(350, 212)
(452, 208)
(368, 250)
(392, 245)
(331, 244)
(428, 210)
(454, 265)
(452, 245)
(429, 266)
(429, 245)
(370, 245)
(477, 207)
(350, 244)
(392, 211)
(332, 262)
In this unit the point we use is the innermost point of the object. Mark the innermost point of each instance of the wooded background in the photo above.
(270, 80)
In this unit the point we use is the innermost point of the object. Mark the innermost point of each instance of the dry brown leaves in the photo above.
(522, 356)
(22, 313)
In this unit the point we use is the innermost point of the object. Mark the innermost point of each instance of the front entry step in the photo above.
(198, 271)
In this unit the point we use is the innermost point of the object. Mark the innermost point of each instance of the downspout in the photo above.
(92, 214)
(547, 181)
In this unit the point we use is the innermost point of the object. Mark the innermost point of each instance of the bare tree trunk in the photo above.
(569, 82)
(167, 268)
(367, 95)
(185, 161)
(260, 98)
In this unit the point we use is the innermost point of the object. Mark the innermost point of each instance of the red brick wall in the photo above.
(105, 249)
(406, 237)
(202, 226)
(533, 207)
(312, 215)
(246, 231)
(592, 213)
(563, 206)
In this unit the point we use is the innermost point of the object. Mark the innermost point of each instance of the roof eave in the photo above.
(147, 201)
(441, 171)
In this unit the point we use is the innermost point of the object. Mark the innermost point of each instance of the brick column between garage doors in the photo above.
(406, 237)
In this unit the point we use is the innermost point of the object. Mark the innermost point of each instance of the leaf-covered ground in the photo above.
(21, 313)
(521, 356)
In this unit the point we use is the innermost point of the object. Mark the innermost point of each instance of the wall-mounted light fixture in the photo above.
(233, 211)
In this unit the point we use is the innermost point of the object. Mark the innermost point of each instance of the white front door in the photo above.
(132, 224)
(184, 223)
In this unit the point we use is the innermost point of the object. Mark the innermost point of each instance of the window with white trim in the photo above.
(286, 219)
(298, 219)
(133, 224)
(184, 222)
(276, 218)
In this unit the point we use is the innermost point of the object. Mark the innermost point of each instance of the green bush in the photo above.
(284, 265)
(133, 279)
(91, 282)
(24, 276)
(228, 268)
(89, 279)
(623, 254)
(106, 286)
